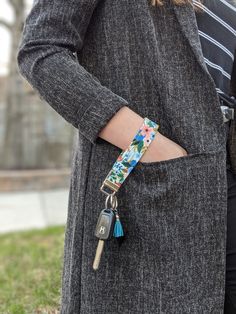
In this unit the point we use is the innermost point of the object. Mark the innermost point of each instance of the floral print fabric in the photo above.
(128, 158)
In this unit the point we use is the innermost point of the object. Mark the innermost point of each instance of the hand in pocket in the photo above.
(162, 148)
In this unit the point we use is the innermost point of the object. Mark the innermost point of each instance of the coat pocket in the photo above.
(174, 212)
(186, 179)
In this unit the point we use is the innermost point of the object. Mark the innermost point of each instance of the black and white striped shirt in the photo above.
(217, 31)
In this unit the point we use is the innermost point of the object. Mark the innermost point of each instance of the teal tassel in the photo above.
(118, 229)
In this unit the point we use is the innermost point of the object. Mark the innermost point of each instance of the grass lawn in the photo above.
(30, 271)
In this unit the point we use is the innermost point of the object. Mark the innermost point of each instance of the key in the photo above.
(103, 231)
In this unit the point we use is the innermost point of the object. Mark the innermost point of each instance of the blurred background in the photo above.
(35, 157)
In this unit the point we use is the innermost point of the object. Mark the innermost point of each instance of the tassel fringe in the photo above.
(118, 229)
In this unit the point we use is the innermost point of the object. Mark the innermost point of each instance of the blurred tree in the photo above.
(35, 136)
(15, 104)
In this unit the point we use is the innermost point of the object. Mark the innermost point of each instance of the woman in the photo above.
(104, 66)
(217, 30)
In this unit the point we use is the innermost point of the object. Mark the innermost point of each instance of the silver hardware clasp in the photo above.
(228, 113)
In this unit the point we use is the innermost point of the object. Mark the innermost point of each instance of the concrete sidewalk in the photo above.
(31, 210)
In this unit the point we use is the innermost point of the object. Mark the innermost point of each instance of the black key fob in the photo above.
(105, 225)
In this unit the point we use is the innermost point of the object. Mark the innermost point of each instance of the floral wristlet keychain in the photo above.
(109, 223)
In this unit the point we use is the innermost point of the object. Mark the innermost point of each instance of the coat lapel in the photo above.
(187, 20)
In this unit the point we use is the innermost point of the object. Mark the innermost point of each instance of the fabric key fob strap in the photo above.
(129, 158)
(124, 164)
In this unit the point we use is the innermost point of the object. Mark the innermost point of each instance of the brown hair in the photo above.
(177, 2)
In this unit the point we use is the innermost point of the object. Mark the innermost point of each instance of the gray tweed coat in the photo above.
(87, 59)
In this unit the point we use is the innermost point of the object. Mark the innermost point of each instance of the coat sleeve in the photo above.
(53, 31)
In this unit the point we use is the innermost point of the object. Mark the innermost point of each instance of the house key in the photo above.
(104, 229)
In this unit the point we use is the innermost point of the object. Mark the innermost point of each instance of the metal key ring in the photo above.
(113, 201)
